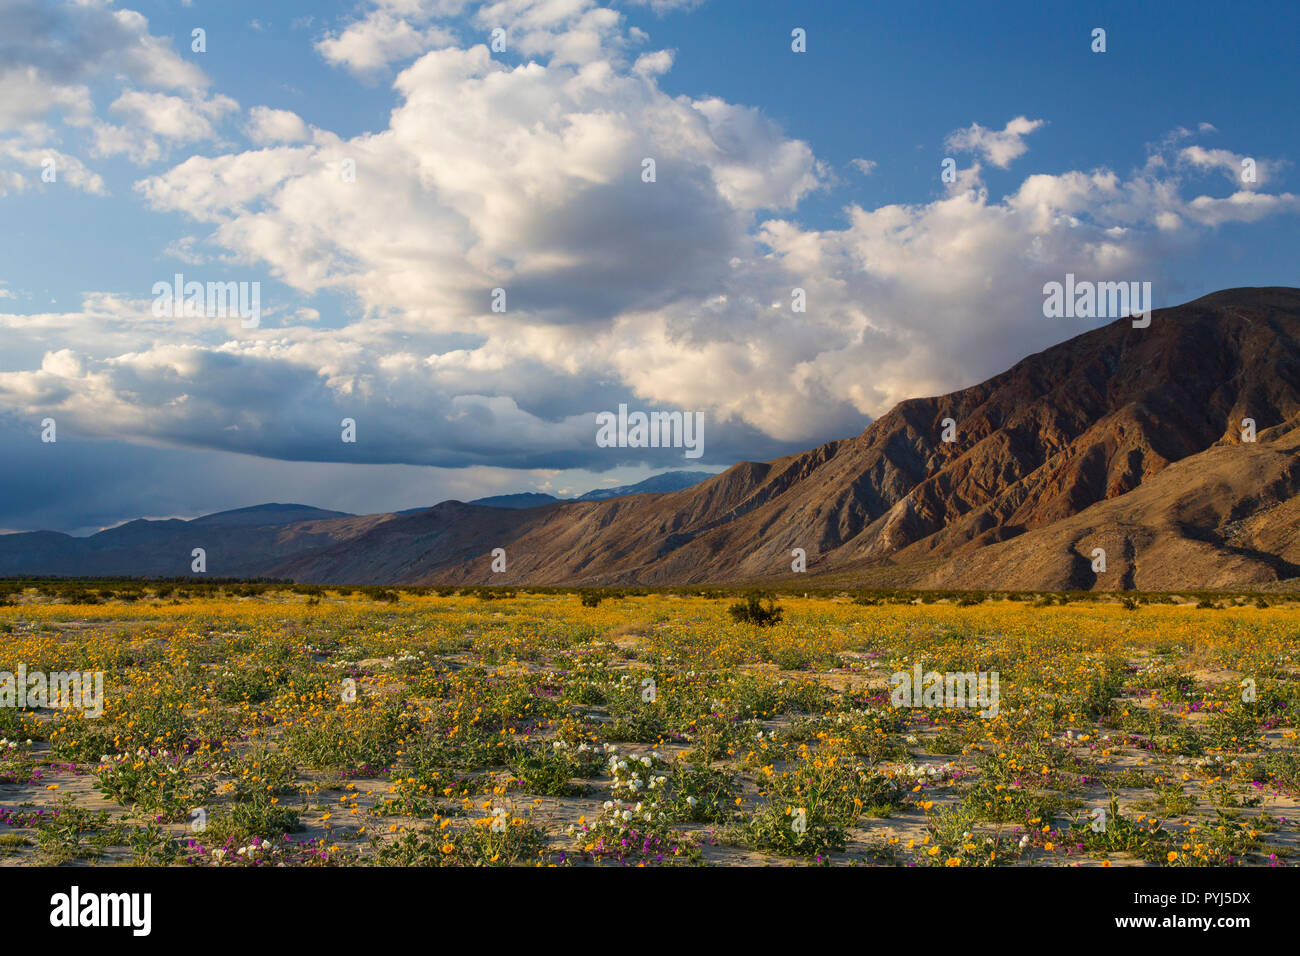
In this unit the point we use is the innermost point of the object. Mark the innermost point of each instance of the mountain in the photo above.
(655, 484)
(1124, 439)
(668, 481)
(1076, 427)
(241, 543)
(263, 515)
(526, 499)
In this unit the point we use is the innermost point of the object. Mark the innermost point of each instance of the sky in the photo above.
(378, 168)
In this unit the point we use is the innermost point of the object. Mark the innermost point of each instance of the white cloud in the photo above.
(27, 97)
(369, 45)
(1231, 164)
(45, 87)
(64, 168)
(63, 364)
(528, 176)
(654, 64)
(267, 126)
(151, 117)
(1242, 206)
(998, 147)
(491, 176)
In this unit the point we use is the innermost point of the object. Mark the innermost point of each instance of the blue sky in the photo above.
(521, 169)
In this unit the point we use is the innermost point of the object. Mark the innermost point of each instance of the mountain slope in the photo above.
(668, 481)
(525, 499)
(655, 484)
(1120, 438)
(1084, 422)
(145, 548)
(1222, 518)
(259, 516)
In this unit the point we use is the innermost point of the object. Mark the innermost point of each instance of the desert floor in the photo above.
(340, 727)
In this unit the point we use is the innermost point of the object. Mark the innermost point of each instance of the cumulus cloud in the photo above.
(67, 44)
(1233, 165)
(998, 147)
(648, 246)
(44, 166)
(1241, 206)
(51, 56)
(27, 97)
(174, 117)
(154, 120)
(369, 45)
(267, 126)
(654, 64)
(528, 178)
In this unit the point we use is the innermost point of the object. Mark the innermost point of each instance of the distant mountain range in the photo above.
(147, 547)
(1124, 441)
(656, 484)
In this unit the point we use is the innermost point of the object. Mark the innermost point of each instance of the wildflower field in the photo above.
(267, 727)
